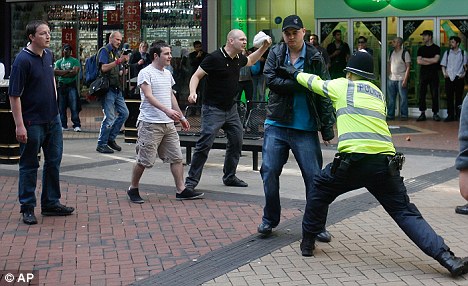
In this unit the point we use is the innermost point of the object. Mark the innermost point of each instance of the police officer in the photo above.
(367, 159)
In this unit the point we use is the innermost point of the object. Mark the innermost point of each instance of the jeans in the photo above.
(278, 141)
(68, 96)
(258, 87)
(433, 82)
(371, 172)
(47, 136)
(214, 119)
(394, 87)
(115, 114)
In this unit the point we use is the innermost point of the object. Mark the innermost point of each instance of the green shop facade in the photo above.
(378, 20)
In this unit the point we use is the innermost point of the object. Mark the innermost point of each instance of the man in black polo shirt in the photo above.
(218, 107)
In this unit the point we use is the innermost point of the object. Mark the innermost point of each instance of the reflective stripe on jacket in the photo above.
(360, 110)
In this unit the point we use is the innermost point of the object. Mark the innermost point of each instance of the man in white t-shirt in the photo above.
(157, 135)
(399, 63)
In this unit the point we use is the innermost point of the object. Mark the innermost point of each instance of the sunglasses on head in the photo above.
(361, 42)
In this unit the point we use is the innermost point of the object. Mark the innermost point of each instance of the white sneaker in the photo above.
(64, 129)
(77, 129)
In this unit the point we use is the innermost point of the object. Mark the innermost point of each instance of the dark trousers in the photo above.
(214, 119)
(371, 172)
(454, 89)
(433, 81)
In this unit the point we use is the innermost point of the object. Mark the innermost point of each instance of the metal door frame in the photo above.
(350, 40)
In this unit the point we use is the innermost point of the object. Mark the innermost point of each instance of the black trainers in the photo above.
(436, 117)
(104, 149)
(324, 236)
(29, 217)
(264, 228)
(114, 145)
(422, 117)
(236, 182)
(188, 194)
(307, 245)
(57, 210)
(134, 196)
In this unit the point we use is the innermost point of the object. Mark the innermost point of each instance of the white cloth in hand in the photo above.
(259, 39)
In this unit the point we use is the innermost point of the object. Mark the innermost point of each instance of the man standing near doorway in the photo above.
(67, 68)
(195, 59)
(339, 53)
(454, 65)
(315, 41)
(428, 59)
(399, 63)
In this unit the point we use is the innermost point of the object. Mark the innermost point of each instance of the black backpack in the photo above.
(402, 55)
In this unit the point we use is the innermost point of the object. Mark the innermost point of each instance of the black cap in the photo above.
(292, 21)
(427, 32)
(67, 47)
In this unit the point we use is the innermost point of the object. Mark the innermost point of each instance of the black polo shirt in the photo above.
(222, 78)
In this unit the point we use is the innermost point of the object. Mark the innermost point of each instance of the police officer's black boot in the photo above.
(456, 265)
(307, 244)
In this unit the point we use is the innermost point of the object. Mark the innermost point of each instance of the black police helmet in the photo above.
(362, 64)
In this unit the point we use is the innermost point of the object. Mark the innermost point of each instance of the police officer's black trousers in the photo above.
(371, 172)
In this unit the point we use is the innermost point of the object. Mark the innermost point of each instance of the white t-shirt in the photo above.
(397, 66)
(161, 83)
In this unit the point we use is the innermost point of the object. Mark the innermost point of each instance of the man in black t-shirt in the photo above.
(219, 110)
(428, 59)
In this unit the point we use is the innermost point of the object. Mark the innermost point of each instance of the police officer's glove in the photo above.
(287, 72)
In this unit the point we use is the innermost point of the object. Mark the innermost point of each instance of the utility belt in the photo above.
(343, 161)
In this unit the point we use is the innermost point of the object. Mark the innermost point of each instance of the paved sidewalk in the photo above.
(109, 241)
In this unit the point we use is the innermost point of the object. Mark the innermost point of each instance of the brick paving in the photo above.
(110, 241)
(367, 249)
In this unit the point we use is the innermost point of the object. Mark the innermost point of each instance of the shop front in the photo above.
(86, 25)
(381, 21)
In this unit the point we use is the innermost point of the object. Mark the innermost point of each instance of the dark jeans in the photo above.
(214, 119)
(278, 141)
(68, 97)
(47, 136)
(115, 114)
(454, 89)
(433, 82)
(247, 87)
(371, 172)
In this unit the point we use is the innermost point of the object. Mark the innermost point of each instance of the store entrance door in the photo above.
(373, 29)
(410, 30)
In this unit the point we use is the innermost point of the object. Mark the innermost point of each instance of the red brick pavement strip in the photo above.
(109, 241)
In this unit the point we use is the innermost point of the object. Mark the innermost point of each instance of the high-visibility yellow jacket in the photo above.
(360, 110)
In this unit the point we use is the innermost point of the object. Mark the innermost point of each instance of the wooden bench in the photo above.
(253, 145)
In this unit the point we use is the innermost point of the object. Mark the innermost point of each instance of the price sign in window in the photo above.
(69, 37)
(132, 23)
